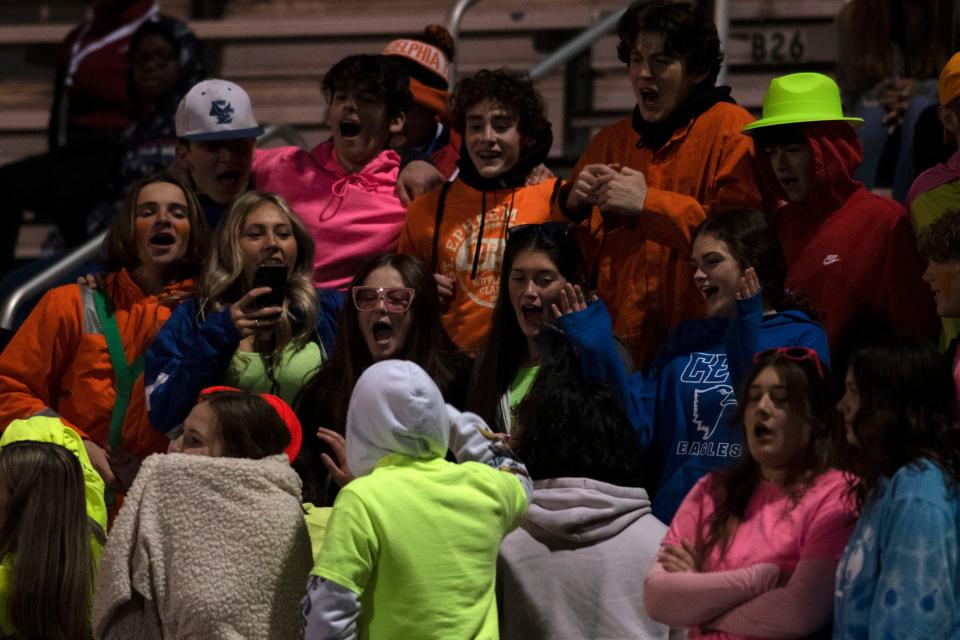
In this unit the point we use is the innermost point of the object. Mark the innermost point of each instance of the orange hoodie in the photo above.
(58, 362)
(642, 266)
(471, 311)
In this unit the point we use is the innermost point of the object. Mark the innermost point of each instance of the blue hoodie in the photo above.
(188, 356)
(683, 410)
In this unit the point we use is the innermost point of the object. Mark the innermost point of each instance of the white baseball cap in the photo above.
(216, 110)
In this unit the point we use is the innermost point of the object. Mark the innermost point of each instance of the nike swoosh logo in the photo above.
(831, 259)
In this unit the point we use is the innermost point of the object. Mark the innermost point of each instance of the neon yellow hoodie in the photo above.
(52, 430)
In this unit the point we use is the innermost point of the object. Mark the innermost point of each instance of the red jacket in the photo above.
(851, 253)
(58, 362)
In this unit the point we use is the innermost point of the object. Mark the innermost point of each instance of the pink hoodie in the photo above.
(351, 216)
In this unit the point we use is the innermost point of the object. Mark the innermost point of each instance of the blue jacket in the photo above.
(683, 409)
(591, 333)
(187, 356)
(900, 573)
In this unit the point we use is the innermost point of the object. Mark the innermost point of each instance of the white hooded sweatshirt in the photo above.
(411, 522)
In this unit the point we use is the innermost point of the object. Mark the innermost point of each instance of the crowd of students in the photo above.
(410, 384)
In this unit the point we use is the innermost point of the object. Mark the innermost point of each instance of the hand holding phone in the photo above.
(275, 277)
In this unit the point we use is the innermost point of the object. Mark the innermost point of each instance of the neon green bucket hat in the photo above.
(801, 97)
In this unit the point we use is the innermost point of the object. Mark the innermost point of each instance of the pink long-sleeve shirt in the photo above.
(804, 540)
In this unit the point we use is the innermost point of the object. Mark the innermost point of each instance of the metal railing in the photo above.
(286, 132)
(580, 42)
(577, 44)
(721, 17)
(42, 281)
(91, 248)
(457, 10)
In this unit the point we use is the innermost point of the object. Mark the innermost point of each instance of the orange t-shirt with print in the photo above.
(476, 289)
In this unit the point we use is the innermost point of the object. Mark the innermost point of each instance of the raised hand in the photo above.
(749, 284)
(446, 289)
(538, 174)
(583, 192)
(572, 299)
(338, 468)
(621, 192)
(416, 179)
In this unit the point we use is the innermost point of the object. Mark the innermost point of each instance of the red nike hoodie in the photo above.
(850, 253)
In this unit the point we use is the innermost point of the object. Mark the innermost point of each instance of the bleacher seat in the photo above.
(279, 50)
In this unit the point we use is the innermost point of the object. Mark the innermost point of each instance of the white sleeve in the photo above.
(330, 611)
(472, 440)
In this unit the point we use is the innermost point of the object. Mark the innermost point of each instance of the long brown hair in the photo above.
(247, 425)
(908, 413)
(809, 398)
(880, 29)
(328, 393)
(45, 531)
(505, 346)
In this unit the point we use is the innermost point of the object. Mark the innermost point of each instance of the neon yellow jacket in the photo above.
(52, 430)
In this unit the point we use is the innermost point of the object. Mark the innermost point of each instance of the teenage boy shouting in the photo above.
(343, 189)
(647, 180)
(217, 132)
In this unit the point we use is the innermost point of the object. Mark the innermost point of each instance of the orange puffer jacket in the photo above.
(58, 363)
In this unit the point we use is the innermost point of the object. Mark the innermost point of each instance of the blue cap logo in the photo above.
(222, 111)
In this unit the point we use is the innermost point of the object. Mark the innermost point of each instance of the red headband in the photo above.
(283, 410)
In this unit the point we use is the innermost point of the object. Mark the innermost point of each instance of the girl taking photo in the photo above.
(246, 327)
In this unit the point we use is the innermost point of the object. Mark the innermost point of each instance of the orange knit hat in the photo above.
(434, 61)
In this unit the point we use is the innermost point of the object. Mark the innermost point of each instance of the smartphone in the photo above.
(275, 277)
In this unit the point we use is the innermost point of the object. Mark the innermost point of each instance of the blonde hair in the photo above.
(222, 282)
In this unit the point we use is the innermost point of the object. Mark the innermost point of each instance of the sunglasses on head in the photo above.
(555, 231)
(797, 354)
(395, 299)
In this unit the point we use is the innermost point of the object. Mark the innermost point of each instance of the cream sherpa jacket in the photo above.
(212, 548)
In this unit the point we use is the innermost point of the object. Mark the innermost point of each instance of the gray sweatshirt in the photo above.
(575, 567)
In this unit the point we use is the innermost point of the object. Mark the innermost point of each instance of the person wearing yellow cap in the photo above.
(53, 524)
(936, 191)
(849, 252)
